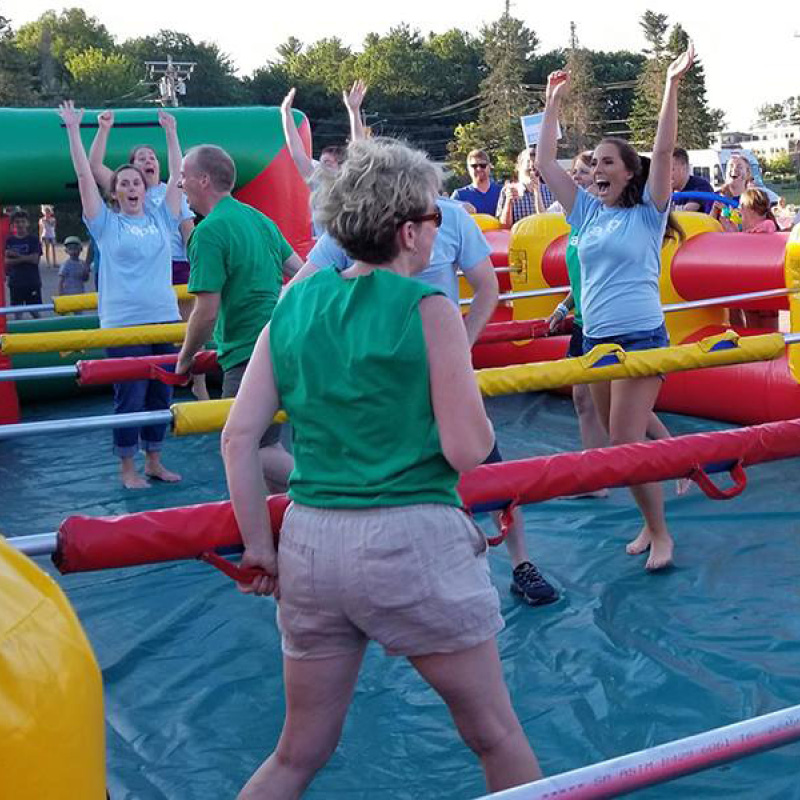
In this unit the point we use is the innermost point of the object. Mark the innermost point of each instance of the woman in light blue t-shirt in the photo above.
(135, 283)
(622, 231)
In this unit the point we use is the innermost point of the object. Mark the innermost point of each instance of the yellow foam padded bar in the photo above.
(206, 416)
(70, 303)
(486, 222)
(51, 702)
(681, 324)
(792, 272)
(638, 364)
(70, 341)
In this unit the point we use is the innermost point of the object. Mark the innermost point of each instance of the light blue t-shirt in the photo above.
(620, 254)
(135, 283)
(154, 198)
(459, 243)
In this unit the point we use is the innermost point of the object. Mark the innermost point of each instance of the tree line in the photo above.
(445, 92)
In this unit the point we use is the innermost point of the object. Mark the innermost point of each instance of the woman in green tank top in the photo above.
(374, 371)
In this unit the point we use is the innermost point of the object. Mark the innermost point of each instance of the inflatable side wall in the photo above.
(52, 735)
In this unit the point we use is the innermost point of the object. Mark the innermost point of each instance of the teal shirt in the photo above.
(351, 369)
(574, 273)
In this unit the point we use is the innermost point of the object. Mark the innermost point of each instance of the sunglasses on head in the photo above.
(479, 165)
(435, 217)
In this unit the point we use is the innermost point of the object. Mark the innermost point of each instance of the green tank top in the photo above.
(351, 368)
(574, 273)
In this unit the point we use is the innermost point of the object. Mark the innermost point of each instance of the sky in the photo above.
(725, 34)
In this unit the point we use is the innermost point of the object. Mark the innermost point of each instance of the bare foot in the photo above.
(160, 473)
(640, 544)
(661, 548)
(132, 480)
(199, 389)
(682, 486)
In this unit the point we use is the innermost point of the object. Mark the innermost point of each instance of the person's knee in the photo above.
(582, 400)
(306, 754)
(488, 735)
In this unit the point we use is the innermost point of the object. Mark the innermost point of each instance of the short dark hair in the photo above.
(681, 155)
(217, 164)
(334, 150)
(19, 214)
(137, 148)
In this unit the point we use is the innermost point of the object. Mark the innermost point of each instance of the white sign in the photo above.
(531, 125)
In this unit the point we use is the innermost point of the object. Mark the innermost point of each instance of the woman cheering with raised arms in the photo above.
(622, 230)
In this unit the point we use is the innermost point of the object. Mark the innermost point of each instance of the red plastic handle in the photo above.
(739, 476)
(506, 519)
(167, 376)
(239, 574)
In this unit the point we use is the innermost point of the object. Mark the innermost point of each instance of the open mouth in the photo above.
(602, 186)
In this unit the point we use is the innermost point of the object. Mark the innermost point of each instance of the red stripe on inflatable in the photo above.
(9, 402)
(554, 262)
(718, 264)
(116, 370)
(745, 394)
(281, 194)
(86, 543)
(517, 330)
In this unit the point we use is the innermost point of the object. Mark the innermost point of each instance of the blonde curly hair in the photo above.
(382, 183)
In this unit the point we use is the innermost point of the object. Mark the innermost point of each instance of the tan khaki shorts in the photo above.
(415, 579)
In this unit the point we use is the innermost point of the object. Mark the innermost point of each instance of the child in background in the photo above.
(22, 264)
(756, 218)
(47, 233)
(73, 273)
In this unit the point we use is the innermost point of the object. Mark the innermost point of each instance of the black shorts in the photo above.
(25, 295)
(575, 349)
(494, 457)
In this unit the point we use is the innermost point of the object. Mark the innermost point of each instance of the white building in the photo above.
(765, 139)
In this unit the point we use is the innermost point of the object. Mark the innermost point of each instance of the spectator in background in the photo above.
(756, 218)
(22, 261)
(73, 273)
(483, 194)
(330, 158)
(684, 181)
(47, 234)
(526, 196)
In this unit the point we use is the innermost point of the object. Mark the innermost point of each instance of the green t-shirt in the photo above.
(351, 368)
(574, 273)
(239, 253)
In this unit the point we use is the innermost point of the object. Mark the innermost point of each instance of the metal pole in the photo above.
(132, 420)
(665, 762)
(522, 295)
(34, 373)
(20, 309)
(38, 544)
(728, 299)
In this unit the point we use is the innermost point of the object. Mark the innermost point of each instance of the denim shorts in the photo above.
(635, 340)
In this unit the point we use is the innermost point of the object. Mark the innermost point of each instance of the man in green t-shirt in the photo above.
(238, 258)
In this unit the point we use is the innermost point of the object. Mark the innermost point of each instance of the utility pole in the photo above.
(172, 77)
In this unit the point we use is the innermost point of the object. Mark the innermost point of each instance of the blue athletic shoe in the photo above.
(528, 583)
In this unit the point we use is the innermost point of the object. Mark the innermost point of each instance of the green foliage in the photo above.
(100, 79)
(770, 112)
(696, 121)
(580, 117)
(16, 81)
(71, 32)
(509, 47)
(781, 164)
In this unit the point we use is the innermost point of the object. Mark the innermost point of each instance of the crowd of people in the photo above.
(365, 348)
